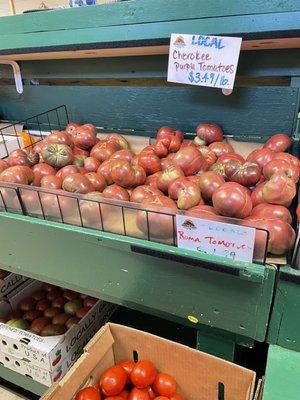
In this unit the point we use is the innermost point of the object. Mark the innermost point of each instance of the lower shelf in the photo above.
(22, 381)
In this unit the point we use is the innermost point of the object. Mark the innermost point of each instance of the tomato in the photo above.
(104, 150)
(256, 195)
(66, 171)
(27, 304)
(164, 131)
(19, 157)
(116, 192)
(28, 171)
(232, 200)
(167, 141)
(176, 396)
(261, 156)
(247, 174)
(281, 234)
(282, 166)
(219, 168)
(280, 189)
(51, 182)
(203, 211)
(190, 160)
(97, 180)
(59, 137)
(78, 160)
(14, 175)
(124, 154)
(124, 394)
(105, 171)
(164, 384)
(88, 393)
(278, 142)
(71, 127)
(150, 162)
(161, 398)
(41, 170)
(272, 211)
(208, 155)
(220, 148)
(91, 164)
(84, 137)
(208, 133)
(140, 193)
(77, 183)
(139, 394)
(209, 181)
(231, 156)
(151, 392)
(57, 155)
(166, 162)
(152, 180)
(113, 380)
(80, 152)
(186, 193)
(288, 157)
(127, 175)
(114, 398)
(3, 165)
(118, 139)
(143, 374)
(168, 176)
(39, 324)
(128, 367)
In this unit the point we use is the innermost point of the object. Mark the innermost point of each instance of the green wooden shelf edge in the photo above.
(282, 375)
(24, 382)
(236, 297)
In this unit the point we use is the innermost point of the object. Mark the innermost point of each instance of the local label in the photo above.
(203, 60)
(221, 239)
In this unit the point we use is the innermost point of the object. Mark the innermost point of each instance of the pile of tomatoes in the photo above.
(204, 178)
(132, 381)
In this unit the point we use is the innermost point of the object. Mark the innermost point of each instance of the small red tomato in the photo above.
(161, 398)
(124, 394)
(88, 393)
(127, 365)
(279, 142)
(139, 394)
(176, 396)
(143, 374)
(164, 384)
(114, 398)
(113, 380)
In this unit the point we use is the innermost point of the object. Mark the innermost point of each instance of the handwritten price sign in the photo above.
(204, 60)
(218, 238)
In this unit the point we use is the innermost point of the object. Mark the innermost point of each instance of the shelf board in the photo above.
(22, 381)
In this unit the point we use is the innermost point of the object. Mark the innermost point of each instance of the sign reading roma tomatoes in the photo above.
(217, 238)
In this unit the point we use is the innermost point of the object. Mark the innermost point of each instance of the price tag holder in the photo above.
(204, 60)
(210, 237)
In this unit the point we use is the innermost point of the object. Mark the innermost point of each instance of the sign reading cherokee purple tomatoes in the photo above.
(218, 238)
(204, 60)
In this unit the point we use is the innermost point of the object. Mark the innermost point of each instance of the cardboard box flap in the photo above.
(205, 373)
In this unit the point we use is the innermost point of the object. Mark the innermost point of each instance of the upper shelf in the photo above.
(143, 27)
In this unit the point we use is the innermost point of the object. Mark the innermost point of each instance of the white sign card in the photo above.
(204, 60)
(210, 237)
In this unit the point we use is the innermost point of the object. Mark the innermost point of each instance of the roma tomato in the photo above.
(266, 211)
(278, 142)
(51, 182)
(220, 148)
(186, 193)
(247, 174)
(261, 156)
(116, 192)
(190, 161)
(127, 365)
(139, 394)
(88, 393)
(281, 166)
(77, 183)
(210, 181)
(208, 133)
(113, 380)
(84, 137)
(168, 176)
(232, 200)
(280, 189)
(140, 193)
(164, 384)
(143, 374)
(57, 155)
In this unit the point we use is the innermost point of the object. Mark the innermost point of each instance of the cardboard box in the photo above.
(48, 353)
(200, 376)
(9, 283)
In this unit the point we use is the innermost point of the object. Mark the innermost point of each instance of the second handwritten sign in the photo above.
(203, 60)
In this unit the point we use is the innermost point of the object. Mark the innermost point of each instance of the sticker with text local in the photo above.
(204, 60)
(221, 239)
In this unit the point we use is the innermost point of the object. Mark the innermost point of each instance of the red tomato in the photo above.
(119, 139)
(71, 127)
(79, 160)
(66, 171)
(150, 162)
(203, 211)
(143, 374)
(151, 392)
(161, 398)
(57, 155)
(261, 156)
(20, 157)
(220, 148)
(256, 195)
(116, 192)
(157, 225)
(219, 168)
(114, 398)
(51, 182)
(124, 154)
(127, 365)
(28, 171)
(91, 164)
(41, 170)
(232, 200)
(127, 175)
(105, 170)
(186, 193)
(77, 183)
(230, 156)
(139, 394)
(141, 193)
(272, 211)
(124, 394)
(97, 180)
(88, 393)
(282, 166)
(14, 175)
(164, 384)
(278, 142)
(168, 176)
(247, 174)
(288, 157)
(208, 133)
(208, 155)
(59, 137)
(104, 150)
(176, 396)
(3, 165)
(79, 152)
(280, 189)
(84, 137)
(190, 160)
(209, 181)
(113, 380)
(151, 180)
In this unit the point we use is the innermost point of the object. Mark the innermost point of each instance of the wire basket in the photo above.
(112, 216)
